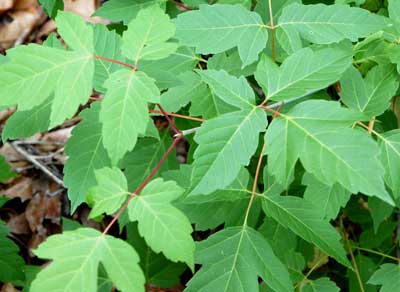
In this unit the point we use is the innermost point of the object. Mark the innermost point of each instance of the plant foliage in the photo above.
(289, 117)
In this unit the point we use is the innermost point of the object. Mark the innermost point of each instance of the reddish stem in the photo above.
(338, 87)
(178, 116)
(116, 62)
(276, 113)
(182, 5)
(144, 183)
(170, 121)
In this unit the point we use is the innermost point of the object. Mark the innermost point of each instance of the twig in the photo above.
(116, 62)
(181, 5)
(371, 125)
(170, 121)
(353, 261)
(143, 185)
(253, 192)
(376, 252)
(315, 266)
(187, 132)
(287, 101)
(178, 116)
(36, 163)
(267, 108)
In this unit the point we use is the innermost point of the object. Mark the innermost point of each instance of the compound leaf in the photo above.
(109, 193)
(124, 10)
(372, 95)
(303, 72)
(124, 111)
(76, 257)
(320, 285)
(326, 24)
(389, 143)
(317, 132)
(147, 36)
(52, 6)
(35, 72)
(388, 276)
(226, 143)
(86, 154)
(328, 198)
(304, 219)
(218, 28)
(10, 261)
(394, 10)
(232, 90)
(138, 163)
(75, 32)
(227, 205)
(23, 124)
(107, 44)
(233, 259)
(163, 226)
(5, 170)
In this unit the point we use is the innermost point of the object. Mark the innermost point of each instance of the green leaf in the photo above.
(5, 170)
(23, 124)
(124, 111)
(86, 154)
(75, 32)
(3, 59)
(326, 24)
(389, 144)
(167, 70)
(320, 285)
(52, 6)
(11, 263)
(380, 211)
(230, 62)
(388, 276)
(191, 88)
(147, 36)
(223, 206)
(284, 244)
(76, 257)
(157, 269)
(262, 8)
(366, 267)
(233, 259)
(164, 227)
(394, 10)
(35, 72)
(107, 44)
(110, 192)
(209, 106)
(303, 72)
(124, 10)
(3, 200)
(232, 90)
(226, 143)
(304, 219)
(328, 198)
(217, 28)
(139, 163)
(317, 132)
(370, 96)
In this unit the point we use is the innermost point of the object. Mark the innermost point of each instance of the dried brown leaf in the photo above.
(18, 224)
(22, 188)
